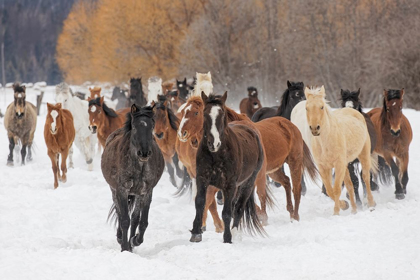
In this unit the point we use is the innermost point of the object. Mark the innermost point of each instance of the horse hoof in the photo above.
(10, 163)
(220, 229)
(399, 196)
(345, 206)
(354, 211)
(203, 228)
(134, 242)
(129, 249)
(119, 240)
(196, 237)
(372, 208)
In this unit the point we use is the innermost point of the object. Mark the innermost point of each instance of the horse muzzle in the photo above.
(53, 132)
(19, 115)
(183, 137)
(93, 128)
(315, 130)
(144, 157)
(396, 133)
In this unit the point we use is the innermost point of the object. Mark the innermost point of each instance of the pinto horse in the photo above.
(395, 135)
(241, 144)
(59, 135)
(291, 96)
(20, 123)
(251, 104)
(104, 120)
(132, 165)
(338, 138)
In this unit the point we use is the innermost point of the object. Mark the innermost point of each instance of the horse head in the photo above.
(296, 93)
(53, 117)
(96, 114)
(95, 92)
(393, 99)
(215, 121)
(350, 99)
(136, 89)
(204, 83)
(192, 119)
(20, 100)
(140, 123)
(116, 93)
(164, 118)
(63, 95)
(254, 102)
(315, 108)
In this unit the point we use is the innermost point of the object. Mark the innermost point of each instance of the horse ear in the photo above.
(134, 109)
(385, 95)
(323, 91)
(102, 100)
(342, 92)
(204, 96)
(358, 93)
(288, 84)
(49, 106)
(153, 104)
(90, 89)
(24, 88)
(185, 80)
(224, 97)
(58, 106)
(209, 74)
(402, 93)
(89, 98)
(307, 94)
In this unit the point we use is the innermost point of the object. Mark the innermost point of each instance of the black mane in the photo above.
(18, 88)
(251, 89)
(108, 111)
(146, 111)
(393, 94)
(285, 96)
(347, 95)
(214, 99)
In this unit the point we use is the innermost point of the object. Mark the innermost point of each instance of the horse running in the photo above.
(251, 104)
(154, 89)
(59, 135)
(119, 95)
(132, 165)
(85, 141)
(395, 135)
(241, 144)
(136, 93)
(104, 120)
(20, 123)
(338, 138)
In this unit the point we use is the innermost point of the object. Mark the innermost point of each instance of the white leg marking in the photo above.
(194, 188)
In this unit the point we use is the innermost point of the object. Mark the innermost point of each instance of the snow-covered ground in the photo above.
(63, 233)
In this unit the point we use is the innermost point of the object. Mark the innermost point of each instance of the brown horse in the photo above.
(395, 134)
(104, 120)
(251, 104)
(20, 123)
(95, 92)
(190, 133)
(59, 135)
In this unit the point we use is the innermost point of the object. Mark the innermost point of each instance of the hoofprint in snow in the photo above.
(63, 233)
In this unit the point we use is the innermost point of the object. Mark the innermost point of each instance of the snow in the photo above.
(63, 233)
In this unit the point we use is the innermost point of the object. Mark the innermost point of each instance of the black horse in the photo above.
(136, 92)
(241, 145)
(132, 165)
(291, 96)
(123, 101)
(183, 89)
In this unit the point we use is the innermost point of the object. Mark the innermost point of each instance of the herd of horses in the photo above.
(209, 148)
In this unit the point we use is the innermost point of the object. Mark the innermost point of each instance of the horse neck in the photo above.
(330, 122)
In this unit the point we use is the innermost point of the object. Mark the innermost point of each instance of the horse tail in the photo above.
(308, 163)
(186, 186)
(250, 220)
(383, 170)
(113, 215)
(270, 200)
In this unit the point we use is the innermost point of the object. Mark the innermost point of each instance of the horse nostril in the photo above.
(185, 133)
(218, 145)
(317, 128)
(139, 153)
(149, 153)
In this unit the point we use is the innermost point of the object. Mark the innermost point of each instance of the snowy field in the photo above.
(63, 233)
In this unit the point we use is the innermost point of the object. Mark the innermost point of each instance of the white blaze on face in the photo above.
(93, 109)
(143, 123)
(20, 95)
(180, 85)
(214, 112)
(393, 104)
(54, 115)
(255, 106)
(349, 104)
(183, 121)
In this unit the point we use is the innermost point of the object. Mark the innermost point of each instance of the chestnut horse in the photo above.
(59, 135)
(241, 144)
(20, 123)
(95, 92)
(395, 135)
(251, 104)
(104, 120)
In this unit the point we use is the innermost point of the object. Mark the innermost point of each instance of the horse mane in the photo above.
(18, 88)
(144, 111)
(315, 90)
(284, 102)
(390, 94)
(196, 100)
(347, 94)
(108, 111)
(233, 116)
(173, 120)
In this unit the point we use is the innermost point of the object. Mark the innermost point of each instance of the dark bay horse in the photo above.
(104, 120)
(236, 177)
(251, 104)
(183, 89)
(20, 123)
(136, 92)
(394, 138)
(59, 135)
(291, 96)
(132, 165)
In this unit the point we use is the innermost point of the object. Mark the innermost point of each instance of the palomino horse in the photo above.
(132, 165)
(338, 138)
(165, 134)
(104, 120)
(395, 135)
(350, 99)
(20, 123)
(155, 89)
(241, 144)
(251, 104)
(85, 141)
(291, 96)
(59, 135)
(136, 92)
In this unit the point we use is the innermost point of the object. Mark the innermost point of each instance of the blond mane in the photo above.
(204, 83)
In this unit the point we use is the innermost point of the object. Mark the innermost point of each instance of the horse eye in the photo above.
(196, 113)
(322, 108)
(297, 94)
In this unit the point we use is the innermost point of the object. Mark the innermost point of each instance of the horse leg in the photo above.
(350, 189)
(23, 153)
(123, 217)
(200, 201)
(403, 167)
(280, 177)
(340, 172)
(144, 222)
(70, 155)
(365, 160)
(135, 216)
(119, 231)
(30, 152)
(53, 159)
(228, 194)
(297, 179)
(11, 148)
(220, 197)
(212, 206)
(261, 183)
(399, 193)
(88, 152)
(355, 181)
(57, 162)
(64, 156)
(170, 167)
(303, 185)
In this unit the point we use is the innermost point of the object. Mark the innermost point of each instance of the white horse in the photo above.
(85, 141)
(204, 83)
(154, 89)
